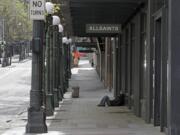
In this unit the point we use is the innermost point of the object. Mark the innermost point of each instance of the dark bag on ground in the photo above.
(118, 101)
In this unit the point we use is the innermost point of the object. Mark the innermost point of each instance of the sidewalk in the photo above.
(81, 116)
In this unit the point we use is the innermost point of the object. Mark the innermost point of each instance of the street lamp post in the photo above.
(69, 57)
(36, 112)
(63, 73)
(56, 22)
(49, 91)
(66, 69)
(60, 63)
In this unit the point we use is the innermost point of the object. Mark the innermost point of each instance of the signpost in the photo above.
(36, 112)
(37, 9)
(103, 28)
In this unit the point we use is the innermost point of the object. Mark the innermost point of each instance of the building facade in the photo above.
(142, 60)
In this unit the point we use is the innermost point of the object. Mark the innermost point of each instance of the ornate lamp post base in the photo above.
(36, 121)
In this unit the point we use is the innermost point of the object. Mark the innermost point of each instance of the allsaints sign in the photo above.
(103, 28)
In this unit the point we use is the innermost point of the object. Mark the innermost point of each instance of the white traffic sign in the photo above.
(37, 9)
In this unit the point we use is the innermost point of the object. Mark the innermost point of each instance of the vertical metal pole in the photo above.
(49, 92)
(36, 112)
(69, 60)
(55, 88)
(63, 81)
(66, 67)
(51, 66)
(60, 68)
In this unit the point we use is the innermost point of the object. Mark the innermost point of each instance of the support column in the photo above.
(129, 67)
(114, 45)
(164, 57)
(36, 113)
(174, 68)
(118, 64)
(137, 69)
(106, 63)
(149, 67)
(123, 70)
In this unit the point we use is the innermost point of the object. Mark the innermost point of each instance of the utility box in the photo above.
(75, 92)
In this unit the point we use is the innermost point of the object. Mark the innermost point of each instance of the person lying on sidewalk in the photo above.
(118, 101)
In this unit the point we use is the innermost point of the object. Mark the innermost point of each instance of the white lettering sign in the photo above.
(37, 9)
(103, 28)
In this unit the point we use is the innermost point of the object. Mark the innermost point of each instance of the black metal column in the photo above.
(66, 73)
(36, 113)
(51, 67)
(54, 62)
(49, 92)
(174, 68)
(69, 59)
(60, 67)
(63, 72)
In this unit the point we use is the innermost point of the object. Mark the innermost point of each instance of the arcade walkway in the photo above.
(81, 116)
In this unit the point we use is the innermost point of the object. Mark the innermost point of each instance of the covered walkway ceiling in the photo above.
(82, 12)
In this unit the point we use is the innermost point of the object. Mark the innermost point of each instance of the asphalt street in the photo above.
(15, 83)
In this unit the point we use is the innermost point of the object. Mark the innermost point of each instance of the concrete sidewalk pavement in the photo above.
(81, 116)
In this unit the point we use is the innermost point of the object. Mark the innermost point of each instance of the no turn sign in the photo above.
(37, 9)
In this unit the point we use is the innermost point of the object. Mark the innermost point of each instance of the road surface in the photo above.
(15, 83)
